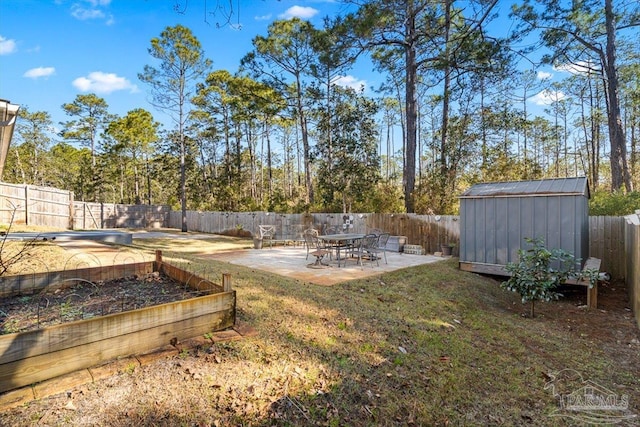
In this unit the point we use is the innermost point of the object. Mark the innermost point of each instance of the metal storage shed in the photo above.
(496, 217)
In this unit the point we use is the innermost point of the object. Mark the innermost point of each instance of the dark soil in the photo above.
(87, 299)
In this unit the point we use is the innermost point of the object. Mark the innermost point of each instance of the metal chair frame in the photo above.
(363, 249)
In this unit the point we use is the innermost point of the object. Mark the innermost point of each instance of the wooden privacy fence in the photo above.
(429, 231)
(52, 207)
(88, 216)
(632, 257)
(29, 204)
(606, 242)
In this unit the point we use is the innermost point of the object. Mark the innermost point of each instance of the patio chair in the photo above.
(267, 232)
(315, 248)
(363, 250)
(381, 246)
(311, 231)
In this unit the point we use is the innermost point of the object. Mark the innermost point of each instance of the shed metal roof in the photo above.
(544, 187)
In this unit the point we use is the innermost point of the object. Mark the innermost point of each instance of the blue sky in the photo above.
(51, 51)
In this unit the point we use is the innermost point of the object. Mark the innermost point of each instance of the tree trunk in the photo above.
(305, 142)
(183, 184)
(411, 71)
(532, 312)
(183, 169)
(146, 160)
(619, 168)
(594, 140)
(136, 181)
(445, 106)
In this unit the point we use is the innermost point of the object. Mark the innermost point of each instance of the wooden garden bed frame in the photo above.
(33, 356)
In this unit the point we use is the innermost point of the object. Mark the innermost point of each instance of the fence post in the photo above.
(26, 205)
(72, 212)
(158, 263)
(226, 282)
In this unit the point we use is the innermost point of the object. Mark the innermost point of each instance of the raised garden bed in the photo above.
(85, 300)
(47, 352)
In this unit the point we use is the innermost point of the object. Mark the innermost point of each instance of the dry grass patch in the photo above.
(428, 345)
(43, 256)
(193, 243)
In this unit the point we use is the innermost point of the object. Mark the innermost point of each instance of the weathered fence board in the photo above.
(52, 207)
(428, 231)
(606, 242)
(33, 205)
(632, 257)
(287, 226)
(88, 216)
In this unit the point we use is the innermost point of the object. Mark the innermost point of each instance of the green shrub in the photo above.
(613, 204)
(538, 272)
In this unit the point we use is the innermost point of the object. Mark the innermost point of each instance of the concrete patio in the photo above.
(291, 262)
(288, 261)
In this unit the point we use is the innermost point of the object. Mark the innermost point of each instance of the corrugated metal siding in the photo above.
(493, 227)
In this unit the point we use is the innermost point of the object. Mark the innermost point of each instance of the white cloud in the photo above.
(38, 72)
(547, 97)
(580, 67)
(100, 82)
(82, 14)
(543, 75)
(92, 9)
(350, 81)
(96, 3)
(7, 46)
(263, 17)
(299, 12)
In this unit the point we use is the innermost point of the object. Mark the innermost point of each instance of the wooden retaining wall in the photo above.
(34, 356)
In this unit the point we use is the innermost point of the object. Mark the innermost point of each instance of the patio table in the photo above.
(340, 240)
